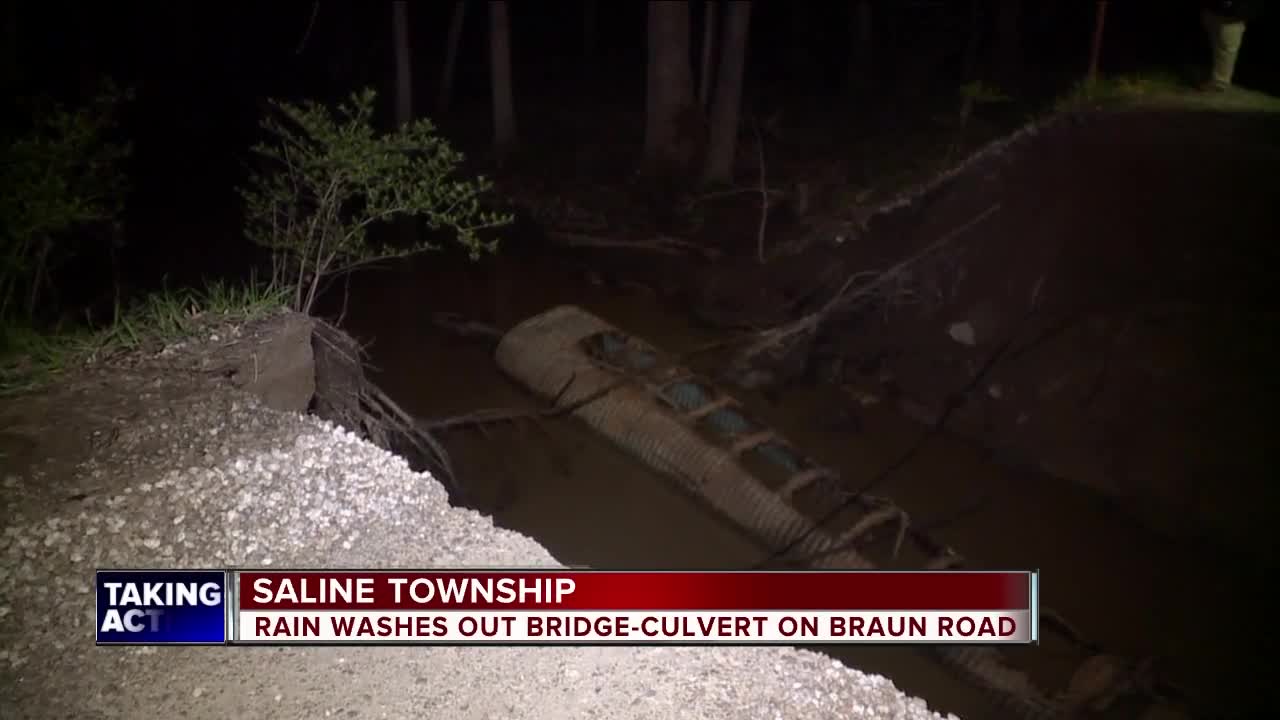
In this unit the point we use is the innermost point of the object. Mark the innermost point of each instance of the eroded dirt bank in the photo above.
(176, 460)
(1116, 299)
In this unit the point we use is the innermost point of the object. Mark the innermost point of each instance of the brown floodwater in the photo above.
(589, 503)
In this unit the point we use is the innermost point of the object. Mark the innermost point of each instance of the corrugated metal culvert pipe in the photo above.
(682, 426)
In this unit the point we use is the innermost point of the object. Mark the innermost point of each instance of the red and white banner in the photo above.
(574, 607)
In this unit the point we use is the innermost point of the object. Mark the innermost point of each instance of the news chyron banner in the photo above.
(162, 607)
(564, 607)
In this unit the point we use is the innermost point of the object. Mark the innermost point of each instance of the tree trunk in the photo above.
(340, 61)
(404, 73)
(405, 226)
(969, 70)
(1042, 39)
(799, 57)
(12, 62)
(861, 45)
(504, 109)
(589, 25)
(1095, 52)
(889, 26)
(969, 65)
(444, 94)
(1008, 38)
(670, 104)
(708, 52)
(728, 102)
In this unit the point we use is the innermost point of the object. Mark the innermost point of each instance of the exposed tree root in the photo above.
(346, 397)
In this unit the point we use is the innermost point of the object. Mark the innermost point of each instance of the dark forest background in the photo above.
(201, 71)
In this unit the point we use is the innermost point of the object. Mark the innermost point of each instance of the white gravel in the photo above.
(222, 481)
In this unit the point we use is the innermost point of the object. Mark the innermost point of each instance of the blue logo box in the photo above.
(161, 607)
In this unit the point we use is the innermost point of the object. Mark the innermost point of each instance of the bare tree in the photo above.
(589, 28)
(708, 52)
(969, 68)
(728, 100)
(11, 55)
(973, 42)
(1095, 52)
(340, 58)
(504, 109)
(1008, 38)
(405, 226)
(861, 47)
(444, 93)
(800, 59)
(670, 103)
(404, 73)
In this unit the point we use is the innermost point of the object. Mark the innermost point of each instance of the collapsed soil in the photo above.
(1126, 261)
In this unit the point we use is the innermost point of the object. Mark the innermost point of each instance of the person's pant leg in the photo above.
(1225, 37)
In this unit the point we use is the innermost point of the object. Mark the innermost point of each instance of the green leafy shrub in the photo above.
(330, 175)
(62, 173)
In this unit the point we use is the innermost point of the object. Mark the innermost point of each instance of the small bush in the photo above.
(330, 175)
(30, 358)
(61, 174)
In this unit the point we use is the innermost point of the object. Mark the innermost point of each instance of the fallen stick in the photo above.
(392, 415)
(489, 416)
(666, 246)
(464, 328)
(764, 198)
(693, 202)
(844, 296)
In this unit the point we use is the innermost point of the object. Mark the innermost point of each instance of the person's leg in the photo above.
(1232, 39)
(1225, 38)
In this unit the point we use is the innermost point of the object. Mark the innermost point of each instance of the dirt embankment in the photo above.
(199, 456)
(1115, 304)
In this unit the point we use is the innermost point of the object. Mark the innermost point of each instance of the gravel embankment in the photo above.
(219, 480)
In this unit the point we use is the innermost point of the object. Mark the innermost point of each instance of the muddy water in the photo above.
(589, 503)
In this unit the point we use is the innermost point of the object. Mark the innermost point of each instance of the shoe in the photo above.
(1212, 87)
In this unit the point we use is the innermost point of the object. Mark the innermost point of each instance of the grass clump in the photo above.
(1160, 89)
(29, 358)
